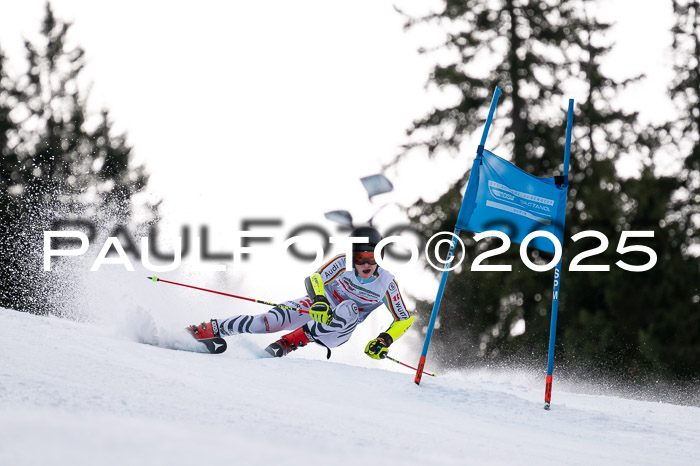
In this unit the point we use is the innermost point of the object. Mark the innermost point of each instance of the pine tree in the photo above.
(685, 92)
(646, 322)
(7, 126)
(64, 162)
(670, 204)
(538, 48)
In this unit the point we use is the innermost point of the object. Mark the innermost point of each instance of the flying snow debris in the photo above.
(340, 216)
(376, 184)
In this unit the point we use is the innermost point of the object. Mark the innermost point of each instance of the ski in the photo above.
(214, 345)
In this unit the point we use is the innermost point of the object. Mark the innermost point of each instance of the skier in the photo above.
(337, 301)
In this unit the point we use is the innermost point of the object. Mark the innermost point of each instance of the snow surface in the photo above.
(74, 393)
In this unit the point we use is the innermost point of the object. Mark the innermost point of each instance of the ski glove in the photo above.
(321, 310)
(379, 347)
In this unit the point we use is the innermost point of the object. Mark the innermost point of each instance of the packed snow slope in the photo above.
(73, 394)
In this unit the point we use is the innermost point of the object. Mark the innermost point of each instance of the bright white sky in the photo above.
(275, 109)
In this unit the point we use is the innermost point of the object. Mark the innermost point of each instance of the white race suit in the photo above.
(351, 298)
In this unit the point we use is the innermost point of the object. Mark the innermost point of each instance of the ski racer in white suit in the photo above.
(347, 298)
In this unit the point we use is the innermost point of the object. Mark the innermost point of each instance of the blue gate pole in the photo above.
(557, 269)
(450, 254)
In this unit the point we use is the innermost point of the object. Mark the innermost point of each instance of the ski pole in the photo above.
(259, 301)
(406, 365)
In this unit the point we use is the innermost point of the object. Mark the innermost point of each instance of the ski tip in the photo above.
(214, 345)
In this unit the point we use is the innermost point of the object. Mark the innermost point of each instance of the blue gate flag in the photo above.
(502, 197)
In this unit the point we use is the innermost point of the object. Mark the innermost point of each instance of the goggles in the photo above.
(359, 258)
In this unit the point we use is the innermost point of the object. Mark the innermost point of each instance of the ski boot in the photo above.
(209, 335)
(288, 343)
(205, 330)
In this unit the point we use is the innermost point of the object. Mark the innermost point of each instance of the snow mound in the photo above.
(71, 393)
